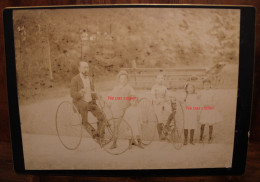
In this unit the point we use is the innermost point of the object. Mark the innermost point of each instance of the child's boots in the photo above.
(210, 133)
(160, 131)
(191, 136)
(201, 133)
(185, 136)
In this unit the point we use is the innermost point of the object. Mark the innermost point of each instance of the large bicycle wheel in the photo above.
(122, 137)
(177, 131)
(108, 134)
(148, 121)
(176, 138)
(69, 125)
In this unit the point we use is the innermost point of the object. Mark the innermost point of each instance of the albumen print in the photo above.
(127, 88)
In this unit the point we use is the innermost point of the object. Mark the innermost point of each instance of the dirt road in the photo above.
(43, 150)
(46, 152)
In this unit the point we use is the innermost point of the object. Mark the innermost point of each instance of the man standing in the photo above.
(84, 98)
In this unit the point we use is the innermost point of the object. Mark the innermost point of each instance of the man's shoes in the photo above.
(113, 146)
(95, 135)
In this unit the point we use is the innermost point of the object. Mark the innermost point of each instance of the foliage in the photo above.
(50, 41)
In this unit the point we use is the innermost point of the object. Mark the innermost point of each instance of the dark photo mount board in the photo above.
(244, 97)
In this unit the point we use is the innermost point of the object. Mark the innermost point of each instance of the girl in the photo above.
(118, 106)
(159, 94)
(133, 118)
(191, 112)
(209, 114)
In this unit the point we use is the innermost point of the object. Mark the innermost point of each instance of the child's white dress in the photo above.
(132, 117)
(190, 115)
(162, 108)
(209, 114)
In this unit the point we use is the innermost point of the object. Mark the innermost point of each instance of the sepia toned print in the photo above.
(127, 88)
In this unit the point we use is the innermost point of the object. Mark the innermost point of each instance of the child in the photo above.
(133, 118)
(191, 114)
(159, 96)
(209, 114)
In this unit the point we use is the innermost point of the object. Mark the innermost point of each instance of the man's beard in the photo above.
(85, 73)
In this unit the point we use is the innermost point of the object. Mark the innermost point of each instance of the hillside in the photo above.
(50, 43)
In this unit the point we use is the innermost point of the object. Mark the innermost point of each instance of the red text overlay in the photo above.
(121, 98)
(199, 108)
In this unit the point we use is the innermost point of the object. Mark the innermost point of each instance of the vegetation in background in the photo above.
(50, 43)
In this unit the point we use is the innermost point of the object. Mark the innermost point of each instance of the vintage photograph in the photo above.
(127, 88)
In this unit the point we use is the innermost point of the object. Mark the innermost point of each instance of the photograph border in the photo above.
(243, 109)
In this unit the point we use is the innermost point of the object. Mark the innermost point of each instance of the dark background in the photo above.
(6, 166)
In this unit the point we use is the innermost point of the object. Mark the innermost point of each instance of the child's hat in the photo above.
(122, 72)
(207, 79)
(188, 83)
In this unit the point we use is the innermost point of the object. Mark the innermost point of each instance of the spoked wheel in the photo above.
(177, 131)
(69, 125)
(148, 121)
(108, 134)
(176, 138)
(122, 137)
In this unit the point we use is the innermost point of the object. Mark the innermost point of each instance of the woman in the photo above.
(119, 104)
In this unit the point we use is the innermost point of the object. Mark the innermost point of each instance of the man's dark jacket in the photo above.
(76, 85)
